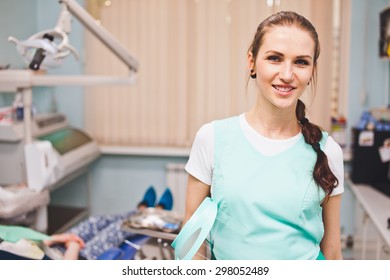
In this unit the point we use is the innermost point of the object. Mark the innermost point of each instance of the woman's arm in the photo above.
(197, 191)
(331, 243)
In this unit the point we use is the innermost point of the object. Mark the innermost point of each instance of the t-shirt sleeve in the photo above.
(336, 163)
(200, 162)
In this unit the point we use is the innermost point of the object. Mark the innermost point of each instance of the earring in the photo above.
(253, 74)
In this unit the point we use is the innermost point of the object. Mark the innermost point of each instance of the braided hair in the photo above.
(312, 134)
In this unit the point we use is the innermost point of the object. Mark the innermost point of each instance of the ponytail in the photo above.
(312, 134)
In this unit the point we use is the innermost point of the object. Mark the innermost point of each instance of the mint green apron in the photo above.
(268, 206)
(321, 257)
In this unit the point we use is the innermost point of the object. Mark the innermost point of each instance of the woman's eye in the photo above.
(274, 58)
(302, 62)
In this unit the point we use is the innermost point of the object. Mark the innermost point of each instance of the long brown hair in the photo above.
(312, 134)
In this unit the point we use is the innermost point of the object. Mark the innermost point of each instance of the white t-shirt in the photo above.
(201, 160)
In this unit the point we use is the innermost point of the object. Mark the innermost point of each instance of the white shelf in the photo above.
(145, 151)
(14, 80)
(376, 206)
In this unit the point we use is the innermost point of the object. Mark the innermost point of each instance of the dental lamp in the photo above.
(41, 50)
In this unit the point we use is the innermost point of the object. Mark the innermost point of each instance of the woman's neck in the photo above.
(281, 124)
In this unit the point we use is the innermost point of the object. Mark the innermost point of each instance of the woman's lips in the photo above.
(283, 90)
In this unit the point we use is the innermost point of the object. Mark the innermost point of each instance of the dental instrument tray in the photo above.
(155, 219)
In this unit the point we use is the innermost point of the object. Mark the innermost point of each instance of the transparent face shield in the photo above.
(193, 241)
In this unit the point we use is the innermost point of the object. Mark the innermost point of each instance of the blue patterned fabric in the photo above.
(101, 233)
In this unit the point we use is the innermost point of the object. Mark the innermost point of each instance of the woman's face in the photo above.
(284, 66)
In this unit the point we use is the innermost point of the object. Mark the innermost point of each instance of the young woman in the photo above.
(277, 178)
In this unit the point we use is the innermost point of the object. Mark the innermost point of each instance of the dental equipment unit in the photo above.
(41, 49)
(45, 152)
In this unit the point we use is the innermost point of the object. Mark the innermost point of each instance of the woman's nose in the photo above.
(286, 72)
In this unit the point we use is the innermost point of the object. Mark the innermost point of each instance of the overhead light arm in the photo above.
(101, 33)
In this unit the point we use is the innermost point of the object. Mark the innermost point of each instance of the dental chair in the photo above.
(140, 247)
(127, 250)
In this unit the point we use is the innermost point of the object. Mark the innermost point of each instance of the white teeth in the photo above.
(285, 89)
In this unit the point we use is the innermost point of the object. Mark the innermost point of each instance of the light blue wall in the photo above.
(18, 19)
(11, 24)
(367, 70)
(124, 179)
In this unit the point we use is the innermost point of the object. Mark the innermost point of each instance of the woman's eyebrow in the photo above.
(304, 57)
(281, 54)
(275, 52)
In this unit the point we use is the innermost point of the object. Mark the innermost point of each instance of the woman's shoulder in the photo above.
(227, 120)
(224, 125)
(204, 138)
(207, 129)
(336, 162)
